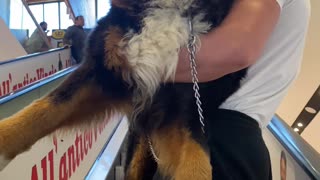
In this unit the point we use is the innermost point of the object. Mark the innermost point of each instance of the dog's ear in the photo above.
(129, 4)
(121, 4)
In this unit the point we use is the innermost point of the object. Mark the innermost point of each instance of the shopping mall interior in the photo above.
(38, 53)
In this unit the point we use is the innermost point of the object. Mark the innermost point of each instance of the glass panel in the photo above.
(5, 11)
(64, 17)
(28, 22)
(103, 7)
(22, 25)
(37, 11)
(51, 16)
(16, 18)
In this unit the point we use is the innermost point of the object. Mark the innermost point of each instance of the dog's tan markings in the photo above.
(112, 49)
(137, 165)
(181, 157)
(114, 58)
(20, 131)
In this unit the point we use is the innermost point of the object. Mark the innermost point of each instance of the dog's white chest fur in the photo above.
(153, 54)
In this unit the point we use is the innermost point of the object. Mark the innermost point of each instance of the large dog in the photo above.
(129, 62)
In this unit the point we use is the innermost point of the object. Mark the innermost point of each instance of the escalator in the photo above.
(98, 153)
(292, 157)
(57, 156)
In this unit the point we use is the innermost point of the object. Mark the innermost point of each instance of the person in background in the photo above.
(283, 166)
(75, 36)
(36, 43)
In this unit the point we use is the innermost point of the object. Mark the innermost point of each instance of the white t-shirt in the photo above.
(269, 78)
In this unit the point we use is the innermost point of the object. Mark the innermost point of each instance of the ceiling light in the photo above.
(300, 124)
(310, 110)
(296, 129)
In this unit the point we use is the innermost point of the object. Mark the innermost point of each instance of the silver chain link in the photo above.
(192, 57)
(155, 157)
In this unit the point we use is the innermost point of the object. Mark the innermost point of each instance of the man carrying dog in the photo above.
(268, 36)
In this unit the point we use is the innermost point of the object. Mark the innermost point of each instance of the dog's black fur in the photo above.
(173, 103)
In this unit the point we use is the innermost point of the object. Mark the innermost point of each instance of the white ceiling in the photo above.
(312, 134)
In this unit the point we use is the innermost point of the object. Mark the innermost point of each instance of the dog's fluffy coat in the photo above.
(129, 54)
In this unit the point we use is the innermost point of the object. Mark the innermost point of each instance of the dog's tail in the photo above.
(76, 101)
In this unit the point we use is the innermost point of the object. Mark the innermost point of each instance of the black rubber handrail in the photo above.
(32, 55)
(304, 154)
(96, 162)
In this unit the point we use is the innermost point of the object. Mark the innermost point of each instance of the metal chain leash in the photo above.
(152, 150)
(192, 57)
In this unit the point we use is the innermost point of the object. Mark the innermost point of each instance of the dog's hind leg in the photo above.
(75, 101)
(140, 164)
(180, 156)
(194, 162)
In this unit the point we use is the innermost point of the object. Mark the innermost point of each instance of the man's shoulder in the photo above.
(73, 27)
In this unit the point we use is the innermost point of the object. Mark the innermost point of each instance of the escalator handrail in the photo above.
(32, 55)
(115, 141)
(304, 154)
(37, 84)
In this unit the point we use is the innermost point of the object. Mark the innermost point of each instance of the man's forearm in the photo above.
(236, 43)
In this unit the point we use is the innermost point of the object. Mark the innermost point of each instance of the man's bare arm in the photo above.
(236, 43)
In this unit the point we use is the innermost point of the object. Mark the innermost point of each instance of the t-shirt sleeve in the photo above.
(281, 3)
